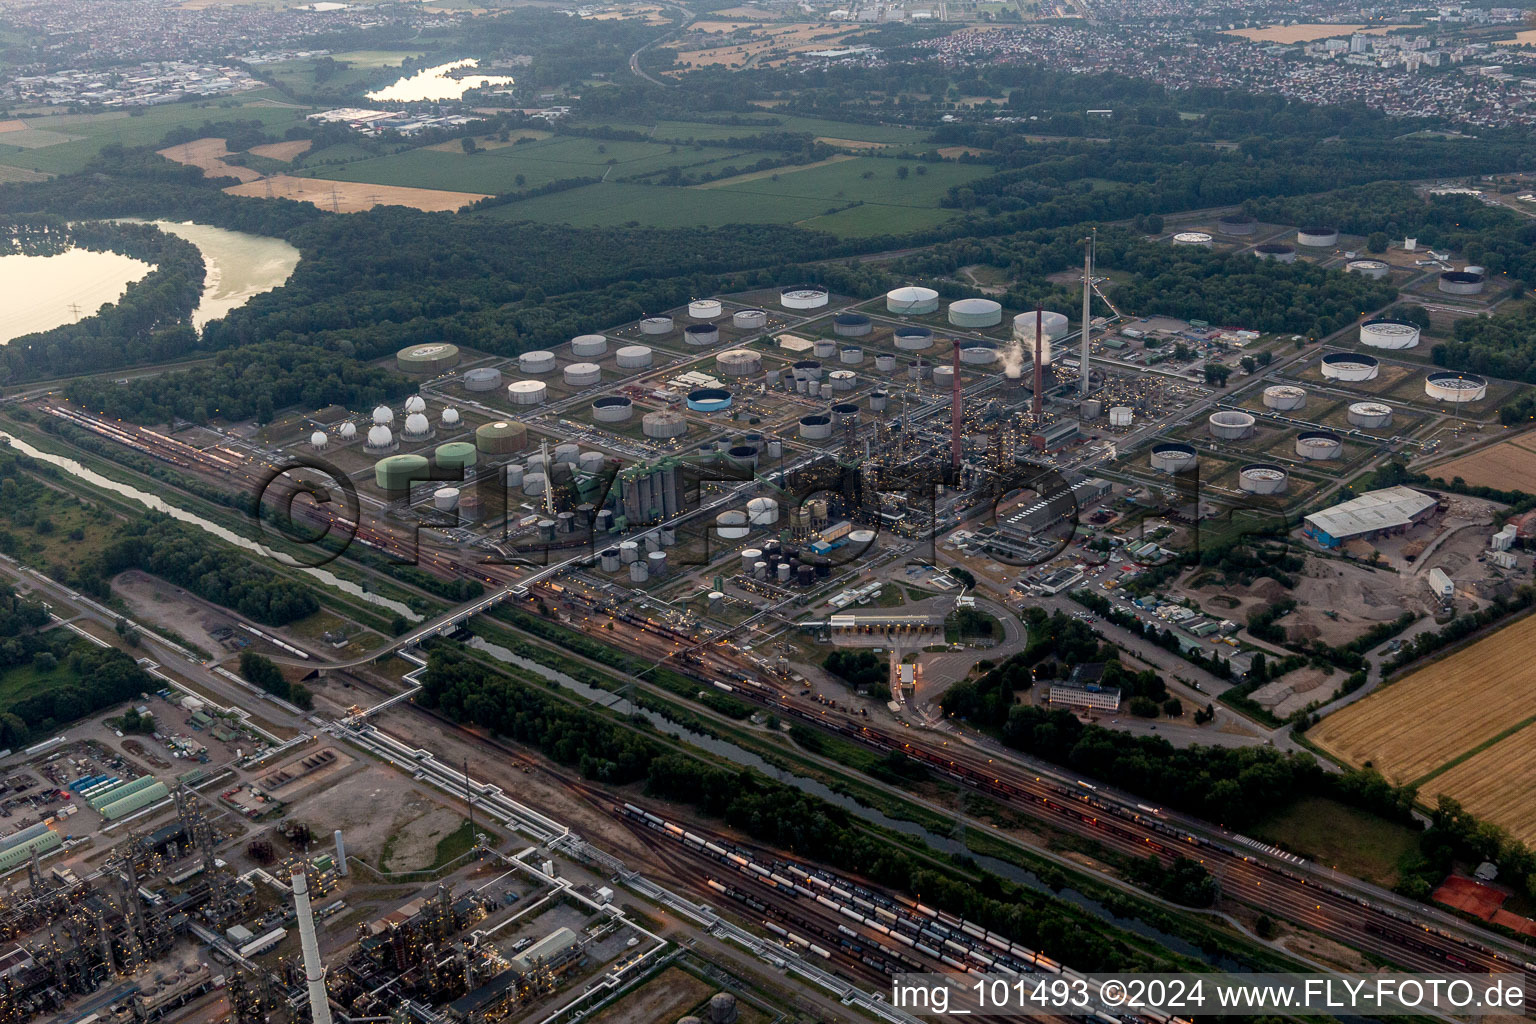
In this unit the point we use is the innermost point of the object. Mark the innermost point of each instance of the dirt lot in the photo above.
(1509, 465)
(354, 196)
(284, 151)
(154, 600)
(661, 1000)
(209, 154)
(382, 813)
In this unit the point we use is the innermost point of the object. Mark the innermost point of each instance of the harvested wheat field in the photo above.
(1508, 466)
(850, 143)
(209, 154)
(353, 196)
(1497, 784)
(283, 151)
(1441, 711)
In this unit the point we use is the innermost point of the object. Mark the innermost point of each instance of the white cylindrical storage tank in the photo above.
(812, 387)
(759, 570)
(527, 392)
(1462, 282)
(1230, 424)
(975, 313)
(885, 362)
(1121, 415)
(591, 462)
(566, 454)
(612, 409)
(861, 541)
(844, 413)
(445, 499)
(380, 439)
(738, 362)
(1284, 398)
(701, 334)
(731, 524)
(762, 511)
(629, 551)
(348, 431)
(417, 427)
(589, 346)
(749, 319)
(850, 355)
(803, 296)
(1370, 415)
(415, 404)
(917, 370)
(1192, 238)
(656, 563)
(583, 375)
(823, 348)
(1350, 366)
(534, 483)
(714, 597)
(1262, 478)
(1319, 445)
(1277, 251)
(481, 378)
(1237, 224)
(608, 560)
(783, 572)
(1053, 327)
(877, 401)
(750, 557)
(978, 353)
(912, 300)
(656, 325)
(514, 473)
(774, 448)
(319, 439)
(851, 325)
(384, 415)
(1458, 388)
(816, 427)
(1317, 237)
(1174, 457)
(843, 380)
(538, 361)
(913, 339)
(662, 425)
(704, 309)
(943, 376)
(633, 357)
(1385, 333)
(638, 571)
(1374, 270)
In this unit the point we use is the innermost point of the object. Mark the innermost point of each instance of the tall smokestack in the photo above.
(1039, 353)
(314, 970)
(954, 419)
(1082, 384)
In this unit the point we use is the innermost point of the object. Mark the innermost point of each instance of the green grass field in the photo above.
(365, 68)
(82, 136)
(26, 681)
(767, 121)
(1341, 837)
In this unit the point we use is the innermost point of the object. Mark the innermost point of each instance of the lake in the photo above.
(37, 293)
(438, 84)
(239, 266)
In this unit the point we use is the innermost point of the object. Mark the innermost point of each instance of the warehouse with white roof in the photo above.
(1372, 514)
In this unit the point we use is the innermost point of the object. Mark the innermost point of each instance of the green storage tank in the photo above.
(455, 455)
(501, 438)
(395, 473)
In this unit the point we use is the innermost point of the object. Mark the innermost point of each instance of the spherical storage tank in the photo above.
(417, 427)
(538, 361)
(1237, 224)
(1370, 414)
(432, 357)
(318, 439)
(977, 353)
(912, 300)
(701, 334)
(738, 362)
(527, 392)
(704, 309)
(1387, 333)
(1174, 458)
(1277, 251)
(1262, 478)
(1318, 236)
(1192, 238)
(589, 346)
(1230, 424)
(380, 439)
(455, 455)
(1375, 270)
(656, 325)
(1319, 445)
(582, 375)
(749, 319)
(501, 438)
(384, 415)
(816, 427)
(803, 296)
(709, 399)
(1053, 327)
(1445, 386)
(395, 473)
(481, 378)
(348, 431)
(913, 339)
(1351, 366)
(1462, 282)
(450, 417)
(633, 357)
(663, 425)
(1284, 398)
(415, 404)
(851, 325)
(975, 313)
(612, 409)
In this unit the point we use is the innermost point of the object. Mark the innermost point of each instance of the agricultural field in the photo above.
(352, 197)
(745, 44)
(209, 155)
(363, 68)
(1509, 466)
(1496, 784)
(63, 143)
(1440, 712)
(833, 132)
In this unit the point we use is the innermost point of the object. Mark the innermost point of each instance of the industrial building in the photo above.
(1373, 514)
(1091, 698)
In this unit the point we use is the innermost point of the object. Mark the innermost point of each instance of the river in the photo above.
(438, 83)
(39, 293)
(151, 501)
